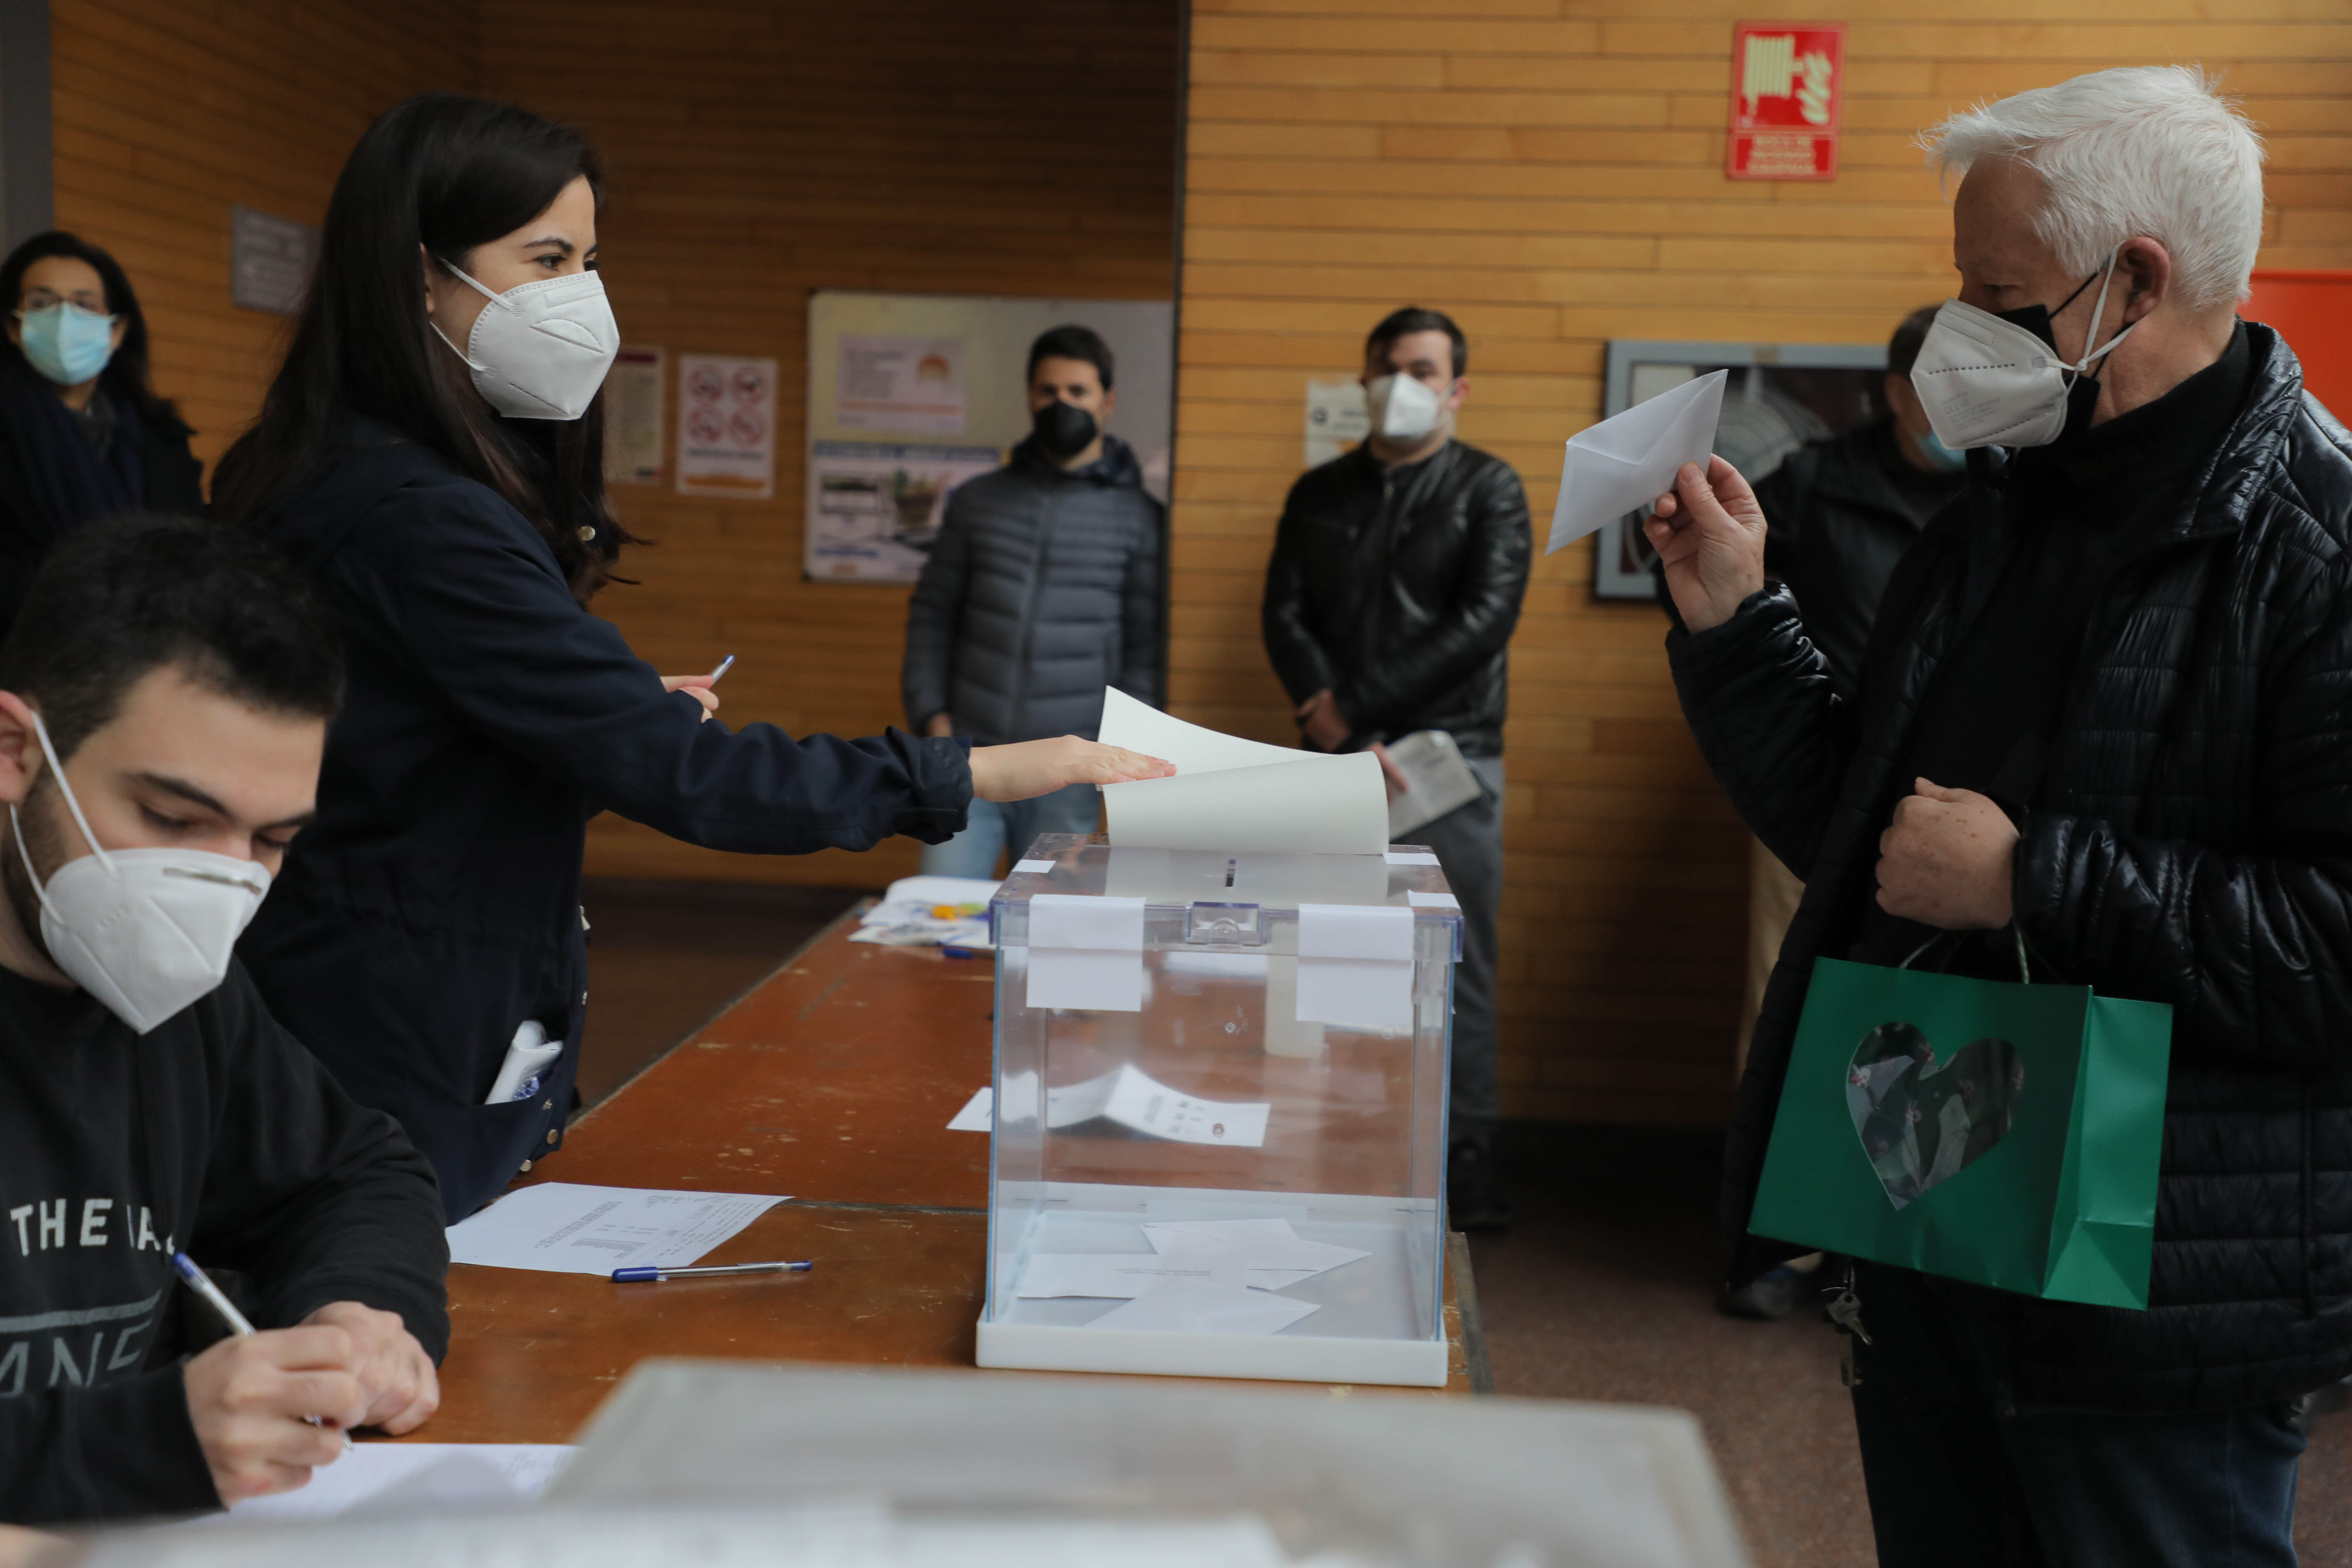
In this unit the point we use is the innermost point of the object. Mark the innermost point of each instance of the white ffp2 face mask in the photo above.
(1402, 407)
(1986, 381)
(540, 349)
(146, 931)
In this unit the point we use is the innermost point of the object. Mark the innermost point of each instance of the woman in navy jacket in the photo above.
(450, 500)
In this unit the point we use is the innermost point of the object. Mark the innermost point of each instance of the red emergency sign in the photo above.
(1785, 80)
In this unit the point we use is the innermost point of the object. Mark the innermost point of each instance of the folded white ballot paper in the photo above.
(1236, 795)
(563, 1227)
(1262, 1254)
(1131, 1097)
(1624, 464)
(1206, 1307)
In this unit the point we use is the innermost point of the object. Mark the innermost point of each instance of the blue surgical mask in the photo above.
(67, 343)
(1939, 456)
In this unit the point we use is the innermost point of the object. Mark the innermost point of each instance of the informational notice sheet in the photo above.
(633, 417)
(726, 427)
(911, 385)
(561, 1227)
(875, 508)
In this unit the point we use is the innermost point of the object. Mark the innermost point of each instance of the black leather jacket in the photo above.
(1843, 512)
(1397, 588)
(2191, 843)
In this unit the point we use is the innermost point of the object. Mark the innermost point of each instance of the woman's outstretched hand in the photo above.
(1709, 532)
(1040, 767)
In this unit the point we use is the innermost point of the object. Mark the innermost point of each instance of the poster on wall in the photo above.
(270, 260)
(633, 417)
(911, 385)
(910, 395)
(1786, 79)
(725, 427)
(1336, 419)
(875, 507)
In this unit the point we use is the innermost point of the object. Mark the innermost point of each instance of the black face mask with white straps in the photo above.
(1063, 430)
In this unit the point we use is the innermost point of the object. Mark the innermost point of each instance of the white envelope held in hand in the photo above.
(1625, 464)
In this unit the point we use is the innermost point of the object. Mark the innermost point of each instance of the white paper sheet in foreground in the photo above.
(1236, 795)
(371, 1478)
(1623, 464)
(562, 1228)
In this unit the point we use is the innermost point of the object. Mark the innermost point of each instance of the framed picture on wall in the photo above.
(1779, 396)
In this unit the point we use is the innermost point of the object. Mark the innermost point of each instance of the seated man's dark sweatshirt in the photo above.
(217, 1133)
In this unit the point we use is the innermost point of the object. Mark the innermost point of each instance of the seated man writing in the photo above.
(163, 704)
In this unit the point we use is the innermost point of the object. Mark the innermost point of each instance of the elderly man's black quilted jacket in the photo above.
(2191, 844)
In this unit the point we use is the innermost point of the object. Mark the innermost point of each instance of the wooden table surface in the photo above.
(833, 1081)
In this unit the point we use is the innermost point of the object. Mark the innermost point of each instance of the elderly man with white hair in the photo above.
(2113, 711)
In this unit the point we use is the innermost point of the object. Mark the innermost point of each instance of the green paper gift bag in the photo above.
(2004, 1134)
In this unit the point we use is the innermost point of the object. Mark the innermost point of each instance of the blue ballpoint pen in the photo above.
(240, 1325)
(724, 666)
(653, 1276)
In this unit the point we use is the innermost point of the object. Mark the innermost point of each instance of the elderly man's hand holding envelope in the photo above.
(1711, 540)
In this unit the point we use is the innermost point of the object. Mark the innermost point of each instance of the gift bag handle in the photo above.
(2024, 971)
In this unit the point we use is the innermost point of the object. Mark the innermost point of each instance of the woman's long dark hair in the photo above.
(436, 175)
(125, 375)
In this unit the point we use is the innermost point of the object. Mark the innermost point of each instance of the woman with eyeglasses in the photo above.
(81, 432)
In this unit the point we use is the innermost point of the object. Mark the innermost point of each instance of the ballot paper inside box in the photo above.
(1220, 1113)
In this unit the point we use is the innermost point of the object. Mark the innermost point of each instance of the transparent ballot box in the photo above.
(1220, 1102)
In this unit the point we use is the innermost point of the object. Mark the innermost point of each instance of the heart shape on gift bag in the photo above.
(1923, 1121)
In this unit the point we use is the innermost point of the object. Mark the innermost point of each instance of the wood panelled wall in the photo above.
(765, 150)
(1550, 173)
(169, 112)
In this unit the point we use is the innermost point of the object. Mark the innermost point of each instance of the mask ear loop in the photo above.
(2098, 312)
(16, 820)
(41, 732)
(479, 287)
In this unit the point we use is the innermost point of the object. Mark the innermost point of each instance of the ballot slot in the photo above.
(1254, 1192)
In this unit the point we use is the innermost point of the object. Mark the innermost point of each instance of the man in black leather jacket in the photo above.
(2114, 716)
(1397, 574)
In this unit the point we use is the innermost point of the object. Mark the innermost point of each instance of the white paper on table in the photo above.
(1413, 856)
(377, 1477)
(1203, 1307)
(1432, 902)
(1624, 464)
(1355, 965)
(1236, 795)
(563, 1227)
(1085, 952)
(1267, 1245)
(977, 1114)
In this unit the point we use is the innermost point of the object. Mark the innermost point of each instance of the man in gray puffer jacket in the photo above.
(1043, 589)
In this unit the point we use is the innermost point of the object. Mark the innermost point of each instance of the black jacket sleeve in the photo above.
(1760, 702)
(316, 1196)
(1406, 678)
(120, 1450)
(1302, 663)
(934, 612)
(463, 586)
(2254, 951)
(1139, 615)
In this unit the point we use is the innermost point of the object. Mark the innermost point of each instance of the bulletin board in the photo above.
(910, 394)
